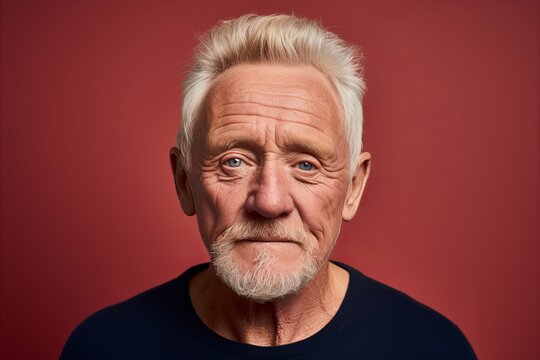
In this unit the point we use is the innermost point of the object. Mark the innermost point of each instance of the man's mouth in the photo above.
(269, 240)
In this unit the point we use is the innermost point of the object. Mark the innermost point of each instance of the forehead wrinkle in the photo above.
(223, 109)
(258, 117)
(314, 92)
(274, 106)
(299, 98)
(303, 95)
(239, 97)
(302, 89)
(228, 134)
(246, 76)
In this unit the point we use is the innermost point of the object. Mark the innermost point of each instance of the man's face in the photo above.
(270, 165)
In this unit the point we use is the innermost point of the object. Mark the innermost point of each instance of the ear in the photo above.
(356, 187)
(183, 188)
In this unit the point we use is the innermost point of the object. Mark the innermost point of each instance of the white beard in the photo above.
(262, 282)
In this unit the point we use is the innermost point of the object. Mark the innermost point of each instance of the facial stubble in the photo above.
(263, 281)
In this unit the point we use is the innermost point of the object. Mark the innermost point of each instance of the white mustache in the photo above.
(269, 231)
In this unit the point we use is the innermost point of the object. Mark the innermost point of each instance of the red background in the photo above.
(90, 106)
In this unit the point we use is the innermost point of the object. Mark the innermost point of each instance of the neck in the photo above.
(278, 322)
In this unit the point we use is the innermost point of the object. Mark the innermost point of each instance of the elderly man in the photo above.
(269, 160)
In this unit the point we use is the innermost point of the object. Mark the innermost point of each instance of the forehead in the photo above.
(297, 93)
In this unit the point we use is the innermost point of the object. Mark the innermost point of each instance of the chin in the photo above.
(265, 275)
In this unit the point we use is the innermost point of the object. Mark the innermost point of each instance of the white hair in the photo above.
(283, 39)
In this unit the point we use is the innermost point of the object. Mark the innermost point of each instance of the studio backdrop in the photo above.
(90, 98)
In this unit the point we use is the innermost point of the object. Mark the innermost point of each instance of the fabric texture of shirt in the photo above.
(374, 321)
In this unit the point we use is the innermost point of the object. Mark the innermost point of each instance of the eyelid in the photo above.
(227, 162)
(314, 166)
(310, 159)
(234, 155)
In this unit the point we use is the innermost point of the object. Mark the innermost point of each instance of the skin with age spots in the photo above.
(271, 148)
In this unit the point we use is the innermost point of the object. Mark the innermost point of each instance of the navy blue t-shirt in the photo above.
(373, 322)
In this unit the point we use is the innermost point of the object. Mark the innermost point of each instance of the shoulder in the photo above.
(142, 322)
(391, 318)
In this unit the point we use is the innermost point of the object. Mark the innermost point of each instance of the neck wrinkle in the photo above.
(275, 323)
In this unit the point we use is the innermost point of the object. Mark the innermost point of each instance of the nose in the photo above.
(270, 196)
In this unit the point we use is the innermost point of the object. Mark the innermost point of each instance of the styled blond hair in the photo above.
(282, 39)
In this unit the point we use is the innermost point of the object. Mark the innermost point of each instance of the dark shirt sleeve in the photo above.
(86, 342)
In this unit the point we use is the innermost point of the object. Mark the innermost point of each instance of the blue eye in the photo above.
(306, 166)
(234, 162)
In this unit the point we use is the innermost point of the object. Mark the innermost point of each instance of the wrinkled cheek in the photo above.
(213, 212)
(329, 200)
(205, 212)
(329, 218)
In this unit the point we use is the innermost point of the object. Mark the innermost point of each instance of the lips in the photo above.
(268, 240)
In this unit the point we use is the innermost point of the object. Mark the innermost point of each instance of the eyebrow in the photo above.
(224, 144)
(300, 144)
(321, 150)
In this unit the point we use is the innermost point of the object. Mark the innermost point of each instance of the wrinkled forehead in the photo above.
(303, 91)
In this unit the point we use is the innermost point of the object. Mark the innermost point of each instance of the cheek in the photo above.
(217, 206)
(327, 197)
(320, 207)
